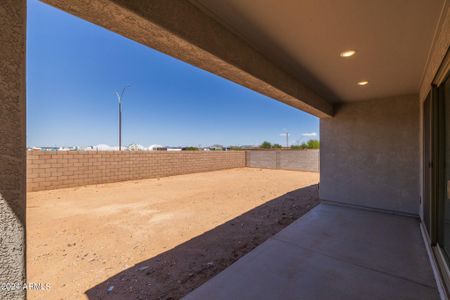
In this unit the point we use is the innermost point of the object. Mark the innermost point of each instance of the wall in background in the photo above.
(48, 170)
(301, 160)
(52, 170)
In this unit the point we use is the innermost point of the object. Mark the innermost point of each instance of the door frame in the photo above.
(437, 170)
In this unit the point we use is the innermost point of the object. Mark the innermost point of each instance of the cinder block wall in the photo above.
(302, 160)
(53, 170)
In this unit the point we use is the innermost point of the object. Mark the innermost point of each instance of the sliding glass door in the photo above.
(436, 173)
(443, 95)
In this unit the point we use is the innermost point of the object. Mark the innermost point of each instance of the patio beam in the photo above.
(181, 30)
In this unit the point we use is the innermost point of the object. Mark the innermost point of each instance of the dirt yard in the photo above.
(156, 238)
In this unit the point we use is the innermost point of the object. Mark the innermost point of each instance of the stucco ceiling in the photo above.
(305, 37)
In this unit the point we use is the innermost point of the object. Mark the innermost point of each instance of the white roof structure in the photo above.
(135, 147)
(103, 147)
(155, 147)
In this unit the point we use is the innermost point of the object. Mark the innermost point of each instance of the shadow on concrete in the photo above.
(176, 272)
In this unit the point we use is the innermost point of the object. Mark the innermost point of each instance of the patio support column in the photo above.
(12, 147)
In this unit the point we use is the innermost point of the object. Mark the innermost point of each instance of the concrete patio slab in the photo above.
(382, 242)
(332, 252)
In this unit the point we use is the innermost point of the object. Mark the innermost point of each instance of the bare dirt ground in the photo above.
(156, 238)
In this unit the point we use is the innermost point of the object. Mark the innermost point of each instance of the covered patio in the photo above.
(376, 73)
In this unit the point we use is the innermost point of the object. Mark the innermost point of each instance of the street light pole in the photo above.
(286, 135)
(119, 98)
(287, 139)
(120, 125)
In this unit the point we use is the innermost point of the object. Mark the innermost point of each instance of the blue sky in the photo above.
(74, 67)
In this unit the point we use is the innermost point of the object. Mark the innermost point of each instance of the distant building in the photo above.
(216, 148)
(136, 147)
(156, 147)
(49, 148)
(71, 148)
(101, 147)
(34, 148)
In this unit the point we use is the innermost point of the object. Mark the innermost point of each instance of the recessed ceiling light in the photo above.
(347, 53)
(364, 82)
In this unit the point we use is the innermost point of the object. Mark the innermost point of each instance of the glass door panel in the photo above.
(427, 164)
(444, 98)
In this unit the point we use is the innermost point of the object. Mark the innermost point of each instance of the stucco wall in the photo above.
(370, 154)
(12, 147)
(52, 170)
(302, 160)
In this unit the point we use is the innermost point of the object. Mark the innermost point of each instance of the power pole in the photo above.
(119, 98)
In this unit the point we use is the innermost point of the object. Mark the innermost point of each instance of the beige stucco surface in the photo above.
(369, 154)
(12, 147)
